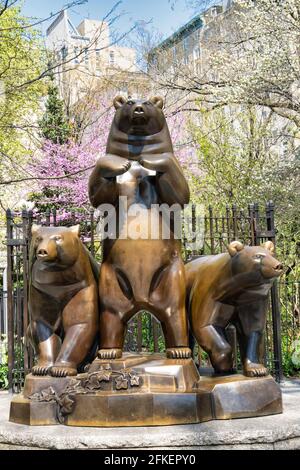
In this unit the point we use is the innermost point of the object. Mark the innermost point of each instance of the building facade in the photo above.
(186, 47)
(87, 57)
(183, 60)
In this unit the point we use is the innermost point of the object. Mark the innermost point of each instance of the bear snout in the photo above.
(46, 253)
(139, 115)
(42, 253)
(274, 270)
(279, 268)
(138, 110)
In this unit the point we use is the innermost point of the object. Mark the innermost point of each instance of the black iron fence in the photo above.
(289, 295)
(253, 226)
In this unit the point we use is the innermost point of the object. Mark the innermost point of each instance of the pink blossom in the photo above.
(56, 160)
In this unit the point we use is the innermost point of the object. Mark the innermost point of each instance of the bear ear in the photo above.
(119, 101)
(75, 229)
(35, 228)
(234, 247)
(157, 101)
(269, 246)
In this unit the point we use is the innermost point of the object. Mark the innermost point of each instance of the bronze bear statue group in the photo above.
(73, 303)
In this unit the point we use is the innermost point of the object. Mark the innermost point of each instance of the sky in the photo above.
(159, 12)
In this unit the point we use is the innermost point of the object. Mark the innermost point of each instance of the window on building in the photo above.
(86, 57)
(76, 52)
(98, 59)
(64, 53)
(153, 60)
(197, 34)
(228, 4)
(186, 49)
(174, 53)
(111, 58)
(186, 44)
(197, 53)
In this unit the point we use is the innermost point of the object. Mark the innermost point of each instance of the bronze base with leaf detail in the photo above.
(143, 390)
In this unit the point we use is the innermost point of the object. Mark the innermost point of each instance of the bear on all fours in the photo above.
(140, 272)
(232, 288)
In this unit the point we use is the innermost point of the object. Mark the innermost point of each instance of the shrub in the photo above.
(3, 363)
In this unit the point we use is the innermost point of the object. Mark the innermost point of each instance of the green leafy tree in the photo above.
(22, 58)
(55, 130)
(234, 148)
(54, 125)
(241, 159)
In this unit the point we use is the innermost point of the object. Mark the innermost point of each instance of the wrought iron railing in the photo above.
(144, 333)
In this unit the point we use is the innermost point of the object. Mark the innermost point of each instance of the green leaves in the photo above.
(296, 353)
(22, 58)
(3, 376)
(54, 124)
(3, 364)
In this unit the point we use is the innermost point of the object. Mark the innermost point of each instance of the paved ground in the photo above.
(270, 432)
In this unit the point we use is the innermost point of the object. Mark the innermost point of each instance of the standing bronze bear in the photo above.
(140, 273)
(232, 288)
(63, 300)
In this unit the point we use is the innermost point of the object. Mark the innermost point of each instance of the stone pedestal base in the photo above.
(143, 390)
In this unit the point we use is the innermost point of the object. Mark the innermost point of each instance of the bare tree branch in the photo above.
(46, 178)
(52, 15)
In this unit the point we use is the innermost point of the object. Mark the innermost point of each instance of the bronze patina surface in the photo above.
(143, 272)
(63, 300)
(148, 390)
(233, 288)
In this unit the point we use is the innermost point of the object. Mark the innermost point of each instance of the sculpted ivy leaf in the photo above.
(121, 383)
(94, 380)
(74, 386)
(48, 395)
(134, 381)
(67, 404)
(35, 396)
(104, 376)
(75, 383)
(93, 383)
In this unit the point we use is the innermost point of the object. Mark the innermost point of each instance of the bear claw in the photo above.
(113, 353)
(62, 371)
(178, 353)
(41, 370)
(255, 370)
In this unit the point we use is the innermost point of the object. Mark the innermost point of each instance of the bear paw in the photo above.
(113, 353)
(62, 371)
(253, 369)
(222, 362)
(178, 353)
(41, 369)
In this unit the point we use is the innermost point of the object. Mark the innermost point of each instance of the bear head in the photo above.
(255, 259)
(55, 246)
(138, 117)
